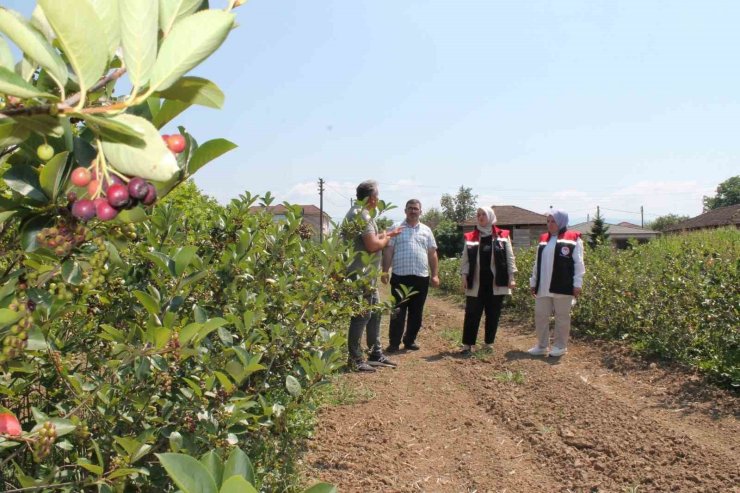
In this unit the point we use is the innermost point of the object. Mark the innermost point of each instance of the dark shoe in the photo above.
(466, 351)
(392, 349)
(411, 347)
(361, 366)
(380, 360)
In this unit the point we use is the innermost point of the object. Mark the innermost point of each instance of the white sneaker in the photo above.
(537, 351)
(558, 351)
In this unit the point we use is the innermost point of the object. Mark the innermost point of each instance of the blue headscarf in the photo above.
(561, 218)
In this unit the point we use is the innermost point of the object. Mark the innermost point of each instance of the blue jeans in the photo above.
(370, 323)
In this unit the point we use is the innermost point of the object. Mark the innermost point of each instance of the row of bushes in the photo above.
(204, 330)
(676, 297)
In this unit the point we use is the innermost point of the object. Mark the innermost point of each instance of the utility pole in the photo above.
(642, 217)
(321, 210)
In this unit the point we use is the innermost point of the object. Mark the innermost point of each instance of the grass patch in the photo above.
(508, 376)
(483, 353)
(451, 335)
(341, 392)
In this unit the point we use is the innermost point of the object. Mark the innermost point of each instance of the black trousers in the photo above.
(413, 306)
(474, 308)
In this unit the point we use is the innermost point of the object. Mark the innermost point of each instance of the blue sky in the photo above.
(569, 103)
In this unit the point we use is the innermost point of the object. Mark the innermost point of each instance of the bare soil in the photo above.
(595, 420)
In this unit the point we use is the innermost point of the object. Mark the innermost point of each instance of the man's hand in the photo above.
(534, 292)
(464, 283)
(384, 277)
(512, 284)
(394, 232)
(435, 281)
(576, 292)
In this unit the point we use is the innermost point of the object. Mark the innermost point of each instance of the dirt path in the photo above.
(506, 422)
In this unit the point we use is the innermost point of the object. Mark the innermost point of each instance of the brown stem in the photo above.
(69, 103)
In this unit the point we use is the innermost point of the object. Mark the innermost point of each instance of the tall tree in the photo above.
(432, 217)
(459, 207)
(599, 231)
(449, 239)
(728, 193)
(660, 223)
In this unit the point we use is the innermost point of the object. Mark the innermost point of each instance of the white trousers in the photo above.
(544, 306)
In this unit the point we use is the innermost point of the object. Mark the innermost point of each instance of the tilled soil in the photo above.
(595, 420)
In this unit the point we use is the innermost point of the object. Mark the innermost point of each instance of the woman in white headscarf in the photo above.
(557, 278)
(487, 268)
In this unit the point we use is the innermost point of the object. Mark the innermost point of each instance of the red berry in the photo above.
(105, 211)
(112, 180)
(117, 195)
(81, 177)
(10, 425)
(83, 209)
(138, 188)
(176, 143)
(92, 187)
(151, 195)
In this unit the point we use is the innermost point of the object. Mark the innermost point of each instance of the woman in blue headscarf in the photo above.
(556, 282)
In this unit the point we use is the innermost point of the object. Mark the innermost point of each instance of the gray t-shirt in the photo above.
(359, 223)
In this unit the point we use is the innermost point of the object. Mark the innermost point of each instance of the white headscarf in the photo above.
(486, 230)
(560, 216)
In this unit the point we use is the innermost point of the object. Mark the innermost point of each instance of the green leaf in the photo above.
(71, 273)
(322, 488)
(153, 161)
(191, 41)
(86, 464)
(183, 257)
(209, 151)
(8, 317)
(213, 464)
(166, 264)
(135, 215)
(79, 32)
(63, 426)
(14, 85)
(149, 303)
(107, 11)
(25, 181)
(5, 215)
(139, 38)
(112, 130)
(187, 473)
(170, 11)
(195, 90)
(238, 464)
(52, 173)
(169, 110)
(36, 340)
(224, 381)
(33, 45)
(42, 124)
(237, 484)
(293, 386)
(12, 133)
(6, 56)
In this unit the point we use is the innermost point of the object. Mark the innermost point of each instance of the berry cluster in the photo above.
(118, 194)
(15, 342)
(97, 262)
(47, 435)
(62, 238)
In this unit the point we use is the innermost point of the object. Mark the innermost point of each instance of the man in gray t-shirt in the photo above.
(360, 228)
